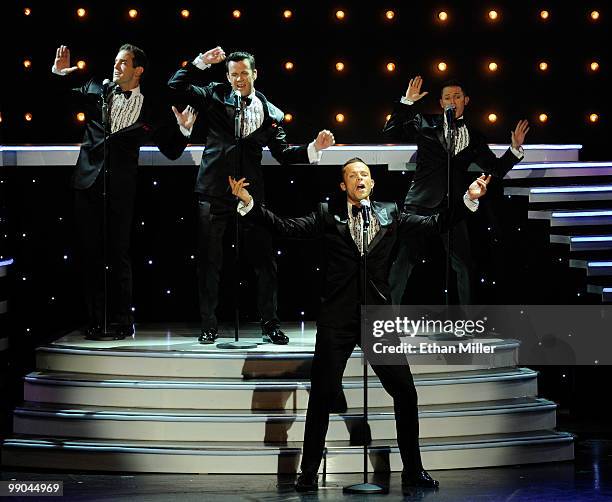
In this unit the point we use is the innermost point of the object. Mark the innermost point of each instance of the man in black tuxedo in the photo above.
(236, 153)
(133, 123)
(427, 193)
(338, 325)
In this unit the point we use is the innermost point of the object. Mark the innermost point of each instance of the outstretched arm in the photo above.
(61, 64)
(306, 227)
(404, 121)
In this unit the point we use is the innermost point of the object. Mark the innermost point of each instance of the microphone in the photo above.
(106, 87)
(365, 212)
(237, 96)
(449, 113)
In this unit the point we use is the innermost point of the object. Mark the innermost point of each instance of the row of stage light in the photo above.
(442, 16)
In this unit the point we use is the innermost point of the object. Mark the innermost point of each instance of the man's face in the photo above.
(357, 182)
(241, 77)
(124, 73)
(453, 95)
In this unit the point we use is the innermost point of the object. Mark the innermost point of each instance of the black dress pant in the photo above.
(332, 350)
(89, 218)
(411, 251)
(256, 249)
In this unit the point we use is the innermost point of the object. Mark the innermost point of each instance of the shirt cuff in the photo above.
(472, 205)
(186, 132)
(405, 101)
(61, 73)
(199, 62)
(518, 152)
(243, 208)
(314, 157)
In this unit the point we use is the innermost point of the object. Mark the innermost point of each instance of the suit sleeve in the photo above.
(168, 137)
(404, 124)
(305, 227)
(183, 83)
(410, 224)
(285, 153)
(490, 163)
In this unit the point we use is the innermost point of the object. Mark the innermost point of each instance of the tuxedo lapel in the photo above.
(342, 224)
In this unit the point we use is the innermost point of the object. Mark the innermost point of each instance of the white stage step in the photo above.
(593, 268)
(195, 457)
(577, 218)
(217, 394)
(578, 193)
(584, 242)
(605, 292)
(459, 419)
(535, 170)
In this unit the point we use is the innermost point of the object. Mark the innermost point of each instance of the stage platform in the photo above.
(161, 402)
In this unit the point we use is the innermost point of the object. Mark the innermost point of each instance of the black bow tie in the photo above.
(355, 210)
(126, 94)
(245, 101)
(459, 123)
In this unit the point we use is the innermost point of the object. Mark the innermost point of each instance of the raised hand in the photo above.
(239, 190)
(214, 56)
(186, 118)
(324, 140)
(479, 187)
(519, 133)
(62, 61)
(413, 93)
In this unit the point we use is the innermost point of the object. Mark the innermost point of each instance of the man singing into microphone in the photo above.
(131, 123)
(338, 325)
(240, 122)
(427, 193)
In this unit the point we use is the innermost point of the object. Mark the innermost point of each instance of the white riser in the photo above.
(559, 170)
(593, 245)
(294, 397)
(570, 221)
(590, 270)
(188, 365)
(535, 196)
(605, 292)
(436, 455)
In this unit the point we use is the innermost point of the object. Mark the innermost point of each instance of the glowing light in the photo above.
(133, 13)
(492, 117)
(594, 66)
(288, 66)
(340, 117)
(236, 14)
(27, 11)
(388, 116)
(340, 15)
(339, 66)
(542, 117)
(287, 14)
(80, 117)
(543, 66)
(389, 15)
(595, 15)
(81, 12)
(390, 67)
(81, 64)
(442, 66)
(27, 64)
(184, 63)
(443, 16)
(493, 66)
(544, 14)
(288, 117)
(593, 117)
(185, 13)
(493, 15)
(28, 117)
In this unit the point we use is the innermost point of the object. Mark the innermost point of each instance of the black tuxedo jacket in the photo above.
(344, 271)
(428, 188)
(216, 105)
(123, 145)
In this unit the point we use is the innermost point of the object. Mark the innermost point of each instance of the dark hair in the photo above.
(240, 56)
(453, 83)
(138, 55)
(350, 161)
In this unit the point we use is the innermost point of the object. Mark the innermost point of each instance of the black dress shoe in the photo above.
(271, 333)
(124, 330)
(420, 479)
(307, 482)
(208, 336)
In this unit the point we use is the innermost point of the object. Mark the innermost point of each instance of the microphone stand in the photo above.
(450, 143)
(237, 344)
(365, 487)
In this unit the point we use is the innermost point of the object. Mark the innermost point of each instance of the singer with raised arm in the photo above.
(339, 229)
(240, 122)
(131, 121)
(427, 192)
